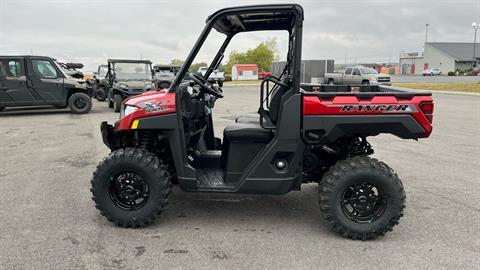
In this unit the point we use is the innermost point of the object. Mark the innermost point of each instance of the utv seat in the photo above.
(274, 107)
(246, 132)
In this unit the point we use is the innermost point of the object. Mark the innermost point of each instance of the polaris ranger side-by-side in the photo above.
(40, 81)
(127, 78)
(296, 137)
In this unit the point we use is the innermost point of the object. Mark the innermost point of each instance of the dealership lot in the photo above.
(48, 219)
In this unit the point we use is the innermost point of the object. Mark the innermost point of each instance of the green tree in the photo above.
(263, 55)
(194, 67)
(176, 62)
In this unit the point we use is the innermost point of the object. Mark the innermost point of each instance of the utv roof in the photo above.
(37, 56)
(255, 18)
(128, 61)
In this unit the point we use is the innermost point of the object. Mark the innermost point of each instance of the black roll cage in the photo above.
(218, 19)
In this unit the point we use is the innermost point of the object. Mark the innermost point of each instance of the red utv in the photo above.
(296, 137)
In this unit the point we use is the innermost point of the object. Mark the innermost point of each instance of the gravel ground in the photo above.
(48, 220)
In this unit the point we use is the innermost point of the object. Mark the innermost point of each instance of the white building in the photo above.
(244, 72)
(446, 56)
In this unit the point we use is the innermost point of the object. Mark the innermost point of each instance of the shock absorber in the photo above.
(144, 140)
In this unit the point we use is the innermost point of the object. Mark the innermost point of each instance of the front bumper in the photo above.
(108, 135)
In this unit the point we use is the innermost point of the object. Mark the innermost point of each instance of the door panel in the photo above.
(13, 89)
(347, 77)
(47, 81)
(356, 77)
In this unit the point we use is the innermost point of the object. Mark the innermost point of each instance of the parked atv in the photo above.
(163, 75)
(128, 78)
(40, 81)
(296, 137)
(101, 83)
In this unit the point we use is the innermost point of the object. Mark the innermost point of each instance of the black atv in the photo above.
(127, 78)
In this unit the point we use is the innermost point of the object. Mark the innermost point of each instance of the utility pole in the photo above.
(475, 27)
(426, 32)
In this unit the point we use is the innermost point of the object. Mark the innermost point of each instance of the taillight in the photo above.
(427, 109)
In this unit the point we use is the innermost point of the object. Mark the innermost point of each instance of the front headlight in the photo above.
(374, 79)
(128, 110)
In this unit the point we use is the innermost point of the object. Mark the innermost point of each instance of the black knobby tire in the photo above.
(153, 172)
(117, 102)
(338, 182)
(100, 94)
(80, 103)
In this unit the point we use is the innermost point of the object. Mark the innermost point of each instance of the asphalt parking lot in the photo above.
(48, 220)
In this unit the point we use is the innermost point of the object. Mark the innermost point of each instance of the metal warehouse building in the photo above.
(446, 56)
(312, 71)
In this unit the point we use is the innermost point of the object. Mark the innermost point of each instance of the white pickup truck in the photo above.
(358, 76)
(215, 76)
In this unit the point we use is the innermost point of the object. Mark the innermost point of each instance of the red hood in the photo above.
(147, 96)
(149, 104)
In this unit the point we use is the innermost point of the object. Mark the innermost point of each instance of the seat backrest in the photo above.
(276, 99)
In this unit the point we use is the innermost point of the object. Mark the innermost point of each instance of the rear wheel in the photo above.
(100, 94)
(117, 102)
(362, 198)
(80, 103)
(131, 187)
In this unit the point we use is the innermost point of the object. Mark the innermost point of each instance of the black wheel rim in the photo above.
(363, 202)
(80, 103)
(128, 190)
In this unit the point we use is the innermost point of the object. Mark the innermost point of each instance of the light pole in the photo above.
(426, 32)
(475, 27)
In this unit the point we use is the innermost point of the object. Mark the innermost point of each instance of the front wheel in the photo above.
(131, 187)
(362, 198)
(80, 103)
(117, 102)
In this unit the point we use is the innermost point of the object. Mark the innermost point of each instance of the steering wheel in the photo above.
(198, 79)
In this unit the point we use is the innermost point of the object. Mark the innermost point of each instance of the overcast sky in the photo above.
(93, 31)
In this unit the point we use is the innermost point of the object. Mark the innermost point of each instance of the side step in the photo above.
(210, 175)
